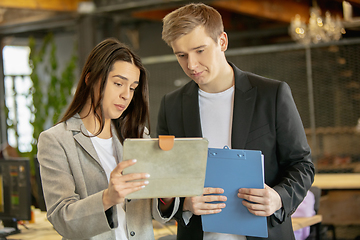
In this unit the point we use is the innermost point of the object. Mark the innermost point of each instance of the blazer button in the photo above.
(132, 233)
(129, 200)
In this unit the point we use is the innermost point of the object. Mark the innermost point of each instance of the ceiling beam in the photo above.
(156, 14)
(353, 1)
(277, 10)
(49, 5)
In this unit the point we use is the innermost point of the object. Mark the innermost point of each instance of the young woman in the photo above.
(81, 157)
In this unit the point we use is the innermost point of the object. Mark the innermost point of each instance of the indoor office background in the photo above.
(323, 76)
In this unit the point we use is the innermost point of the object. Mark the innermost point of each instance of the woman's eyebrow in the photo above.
(121, 76)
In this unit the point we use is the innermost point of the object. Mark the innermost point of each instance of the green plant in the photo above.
(48, 102)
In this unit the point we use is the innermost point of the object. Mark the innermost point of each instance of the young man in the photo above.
(239, 109)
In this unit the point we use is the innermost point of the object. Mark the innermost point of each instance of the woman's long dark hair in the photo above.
(135, 118)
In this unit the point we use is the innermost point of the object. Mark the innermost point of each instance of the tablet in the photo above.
(177, 166)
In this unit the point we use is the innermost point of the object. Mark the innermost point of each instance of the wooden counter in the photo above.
(337, 181)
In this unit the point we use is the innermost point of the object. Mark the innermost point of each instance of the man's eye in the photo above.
(200, 51)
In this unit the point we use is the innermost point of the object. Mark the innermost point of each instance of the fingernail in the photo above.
(147, 175)
(134, 160)
(142, 186)
(146, 182)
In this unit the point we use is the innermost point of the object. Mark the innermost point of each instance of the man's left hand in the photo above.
(260, 202)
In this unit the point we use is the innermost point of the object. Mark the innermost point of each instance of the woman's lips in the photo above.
(120, 107)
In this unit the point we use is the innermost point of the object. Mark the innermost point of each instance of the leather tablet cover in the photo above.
(178, 172)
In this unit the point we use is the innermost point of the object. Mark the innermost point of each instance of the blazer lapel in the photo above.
(190, 108)
(244, 103)
(80, 135)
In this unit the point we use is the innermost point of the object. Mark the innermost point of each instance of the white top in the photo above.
(216, 113)
(109, 159)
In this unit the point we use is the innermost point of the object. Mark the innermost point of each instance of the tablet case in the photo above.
(232, 169)
(177, 169)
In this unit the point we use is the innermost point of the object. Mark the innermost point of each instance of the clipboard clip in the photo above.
(224, 153)
(166, 142)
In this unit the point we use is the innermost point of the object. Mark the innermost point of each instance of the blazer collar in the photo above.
(244, 103)
(80, 134)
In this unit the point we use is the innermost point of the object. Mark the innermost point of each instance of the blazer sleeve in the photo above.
(162, 127)
(72, 216)
(293, 153)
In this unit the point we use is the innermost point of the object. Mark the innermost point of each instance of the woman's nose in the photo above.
(126, 93)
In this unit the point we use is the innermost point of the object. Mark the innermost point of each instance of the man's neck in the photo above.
(226, 80)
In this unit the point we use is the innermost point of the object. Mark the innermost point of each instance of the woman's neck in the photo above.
(92, 124)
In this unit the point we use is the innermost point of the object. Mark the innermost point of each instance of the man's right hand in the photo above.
(201, 205)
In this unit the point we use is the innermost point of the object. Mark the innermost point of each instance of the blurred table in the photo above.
(301, 222)
(340, 200)
(41, 229)
(297, 223)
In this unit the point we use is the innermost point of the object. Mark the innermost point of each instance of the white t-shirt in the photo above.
(216, 111)
(109, 159)
(216, 114)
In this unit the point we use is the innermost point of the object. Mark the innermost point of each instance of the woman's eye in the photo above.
(118, 84)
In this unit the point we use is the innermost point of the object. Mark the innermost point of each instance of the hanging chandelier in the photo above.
(317, 30)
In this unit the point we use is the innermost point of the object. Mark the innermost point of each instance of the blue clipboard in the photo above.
(232, 169)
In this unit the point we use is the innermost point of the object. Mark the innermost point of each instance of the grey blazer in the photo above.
(73, 183)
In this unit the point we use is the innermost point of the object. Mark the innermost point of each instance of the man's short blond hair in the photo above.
(183, 20)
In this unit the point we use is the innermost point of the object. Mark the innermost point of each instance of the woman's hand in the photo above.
(121, 185)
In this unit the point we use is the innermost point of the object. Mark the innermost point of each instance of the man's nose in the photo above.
(192, 62)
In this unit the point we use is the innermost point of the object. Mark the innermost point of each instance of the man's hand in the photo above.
(263, 202)
(201, 205)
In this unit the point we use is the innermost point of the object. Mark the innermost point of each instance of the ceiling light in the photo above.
(318, 29)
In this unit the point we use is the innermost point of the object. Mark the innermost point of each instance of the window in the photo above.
(17, 99)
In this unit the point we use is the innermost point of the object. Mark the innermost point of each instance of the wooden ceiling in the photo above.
(45, 5)
(277, 11)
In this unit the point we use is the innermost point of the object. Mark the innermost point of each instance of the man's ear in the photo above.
(223, 41)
